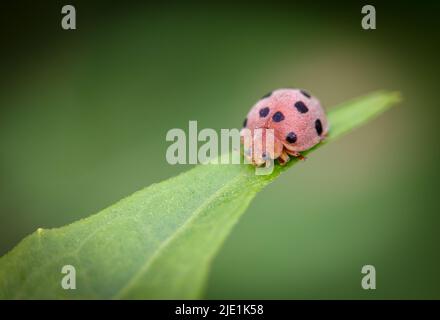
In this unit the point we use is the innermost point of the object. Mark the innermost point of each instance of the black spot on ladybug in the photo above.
(291, 137)
(267, 95)
(244, 123)
(264, 112)
(301, 107)
(318, 126)
(278, 116)
(305, 93)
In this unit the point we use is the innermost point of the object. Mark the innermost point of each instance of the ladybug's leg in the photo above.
(296, 154)
(283, 158)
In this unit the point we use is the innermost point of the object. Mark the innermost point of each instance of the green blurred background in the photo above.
(84, 113)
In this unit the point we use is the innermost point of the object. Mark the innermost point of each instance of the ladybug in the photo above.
(298, 122)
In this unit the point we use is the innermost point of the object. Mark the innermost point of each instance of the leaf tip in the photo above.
(395, 97)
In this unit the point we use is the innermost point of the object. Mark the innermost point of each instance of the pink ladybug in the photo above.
(298, 121)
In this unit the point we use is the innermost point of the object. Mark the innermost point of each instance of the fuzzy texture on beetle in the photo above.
(298, 122)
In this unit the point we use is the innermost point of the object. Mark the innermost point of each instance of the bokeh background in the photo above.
(84, 114)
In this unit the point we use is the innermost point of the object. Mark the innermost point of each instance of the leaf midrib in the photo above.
(150, 260)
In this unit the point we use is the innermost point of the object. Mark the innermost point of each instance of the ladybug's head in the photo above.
(262, 145)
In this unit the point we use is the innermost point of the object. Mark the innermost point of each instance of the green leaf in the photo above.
(160, 241)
